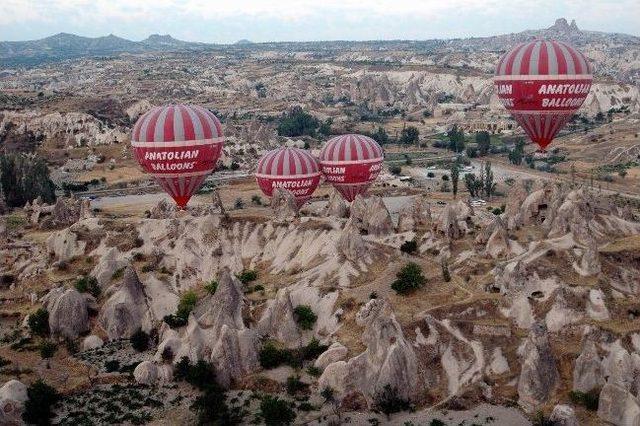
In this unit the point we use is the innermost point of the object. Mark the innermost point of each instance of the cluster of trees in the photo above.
(24, 178)
(297, 123)
(517, 153)
(481, 184)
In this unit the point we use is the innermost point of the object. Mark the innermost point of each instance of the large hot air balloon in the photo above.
(179, 146)
(543, 83)
(292, 169)
(351, 163)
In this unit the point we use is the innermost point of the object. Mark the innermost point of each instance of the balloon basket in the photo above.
(541, 154)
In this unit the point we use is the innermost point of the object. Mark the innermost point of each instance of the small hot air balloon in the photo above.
(543, 83)
(351, 163)
(292, 169)
(179, 146)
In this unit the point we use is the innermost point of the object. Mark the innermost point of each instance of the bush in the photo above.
(276, 411)
(200, 375)
(211, 287)
(409, 246)
(271, 356)
(295, 385)
(140, 341)
(47, 349)
(305, 317)
(88, 284)
(248, 276)
(167, 354)
(112, 365)
(446, 275)
(409, 278)
(187, 302)
(314, 371)
(431, 175)
(298, 123)
(39, 322)
(395, 170)
(255, 199)
(41, 398)
(589, 400)
(238, 204)
(388, 402)
(212, 408)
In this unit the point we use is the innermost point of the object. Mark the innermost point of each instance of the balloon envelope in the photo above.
(179, 146)
(351, 163)
(543, 83)
(292, 169)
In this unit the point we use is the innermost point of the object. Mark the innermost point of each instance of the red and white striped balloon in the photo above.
(179, 146)
(292, 169)
(543, 83)
(351, 163)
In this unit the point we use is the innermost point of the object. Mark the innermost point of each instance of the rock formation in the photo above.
(416, 214)
(336, 352)
(388, 360)
(588, 373)
(563, 415)
(371, 215)
(539, 374)
(278, 321)
(13, 395)
(284, 205)
(126, 311)
(336, 207)
(351, 245)
(68, 311)
(91, 342)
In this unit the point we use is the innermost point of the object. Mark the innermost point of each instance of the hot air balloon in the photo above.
(351, 163)
(543, 83)
(291, 169)
(179, 146)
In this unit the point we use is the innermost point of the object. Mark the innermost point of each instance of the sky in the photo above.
(226, 21)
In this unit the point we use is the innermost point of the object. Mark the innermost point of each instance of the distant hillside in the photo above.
(67, 46)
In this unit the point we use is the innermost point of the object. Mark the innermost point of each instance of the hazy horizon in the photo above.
(305, 20)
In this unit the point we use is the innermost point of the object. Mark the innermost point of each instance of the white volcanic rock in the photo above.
(589, 263)
(416, 214)
(618, 366)
(65, 245)
(448, 223)
(596, 308)
(351, 245)
(563, 415)
(146, 373)
(163, 210)
(108, 263)
(388, 360)
(127, 309)
(588, 373)
(284, 205)
(498, 243)
(216, 332)
(336, 207)
(278, 321)
(499, 363)
(91, 342)
(371, 215)
(539, 374)
(618, 406)
(68, 311)
(13, 395)
(336, 352)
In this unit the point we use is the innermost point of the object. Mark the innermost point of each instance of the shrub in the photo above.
(255, 199)
(295, 385)
(47, 349)
(314, 371)
(431, 175)
(409, 246)
(112, 365)
(212, 408)
(305, 317)
(271, 356)
(409, 278)
(248, 276)
(211, 287)
(276, 411)
(88, 284)
(200, 375)
(24, 178)
(187, 302)
(446, 275)
(41, 398)
(167, 354)
(298, 123)
(437, 422)
(589, 400)
(312, 350)
(388, 401)
(39, 322)
(373, 295)
(140, 341)
(238, 204)
(395, 170)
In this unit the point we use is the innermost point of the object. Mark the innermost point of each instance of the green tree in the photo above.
(276, 411)
(24, 178)
(517, 153)
(37, 408)
(409, 279)
(489, 186)
(455, 176)
(39, 322)
(409, 135)
(305, 317)
(483, 139)
(456, 139)
(298, 123)
(325, 127)
(381, 136)
(473, 184)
